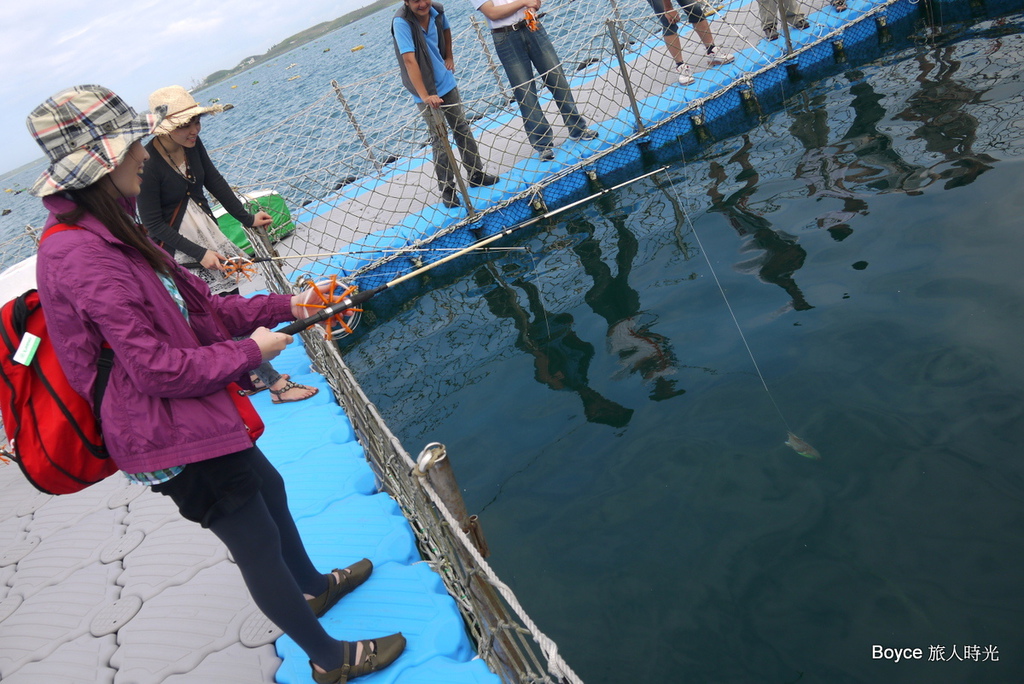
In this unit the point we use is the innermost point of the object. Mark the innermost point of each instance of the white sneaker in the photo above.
(718, 57)
(685, 74)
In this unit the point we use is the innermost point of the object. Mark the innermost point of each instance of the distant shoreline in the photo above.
(292, 42)
(286, 45)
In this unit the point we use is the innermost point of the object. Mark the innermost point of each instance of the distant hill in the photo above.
(295, 41)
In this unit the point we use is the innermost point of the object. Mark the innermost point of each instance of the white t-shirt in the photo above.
(507, 21)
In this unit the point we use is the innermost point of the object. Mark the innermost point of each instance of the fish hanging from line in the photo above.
(801, 447)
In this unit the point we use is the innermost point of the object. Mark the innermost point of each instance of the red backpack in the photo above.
(54, 435)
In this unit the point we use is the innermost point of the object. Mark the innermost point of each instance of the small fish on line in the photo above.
(801, 447)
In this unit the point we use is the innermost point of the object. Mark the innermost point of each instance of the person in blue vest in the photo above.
(523, 46)
(423, 46)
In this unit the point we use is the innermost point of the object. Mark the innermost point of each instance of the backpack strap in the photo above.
(105, 363)
(57, 228)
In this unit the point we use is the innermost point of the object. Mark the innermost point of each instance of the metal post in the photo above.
(784, 21)
(441, 131)
(433, 465)
(355, 124)
(615, 11)
(490, 61)
(625, 74)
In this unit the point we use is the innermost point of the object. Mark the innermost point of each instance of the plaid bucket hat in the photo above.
(85, 132)
(181, 107)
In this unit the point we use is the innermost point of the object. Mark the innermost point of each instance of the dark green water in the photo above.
(606, 421)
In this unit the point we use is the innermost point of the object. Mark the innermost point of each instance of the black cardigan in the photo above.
(163, 189)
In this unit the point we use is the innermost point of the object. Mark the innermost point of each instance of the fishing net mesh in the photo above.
(358, 181)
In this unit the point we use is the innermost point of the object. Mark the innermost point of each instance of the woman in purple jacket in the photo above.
(167, 420)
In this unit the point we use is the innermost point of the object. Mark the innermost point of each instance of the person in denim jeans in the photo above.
(523, 47)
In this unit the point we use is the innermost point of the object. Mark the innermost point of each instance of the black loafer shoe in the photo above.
(377, 654)
(351, 577)
(450, 198)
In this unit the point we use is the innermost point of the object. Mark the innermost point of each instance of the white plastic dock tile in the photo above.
(111, 586)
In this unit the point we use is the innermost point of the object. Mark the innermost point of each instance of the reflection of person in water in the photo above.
(639, 349)
(561, 358)
(782, 254)
(822, 169)
(946, 128)
(862, 164)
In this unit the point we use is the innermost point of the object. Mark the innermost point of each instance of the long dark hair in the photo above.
(98, 201)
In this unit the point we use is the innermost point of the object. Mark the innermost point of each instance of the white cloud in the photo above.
(131, 48)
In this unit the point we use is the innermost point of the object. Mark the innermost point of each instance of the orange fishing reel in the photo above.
(327, 293)
(238, 268)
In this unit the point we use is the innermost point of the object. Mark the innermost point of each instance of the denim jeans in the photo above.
(520, 52)
(455, 115)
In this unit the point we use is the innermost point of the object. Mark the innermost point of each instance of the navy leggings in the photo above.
(265, 543)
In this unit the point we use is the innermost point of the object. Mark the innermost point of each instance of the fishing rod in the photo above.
(239, 263)
(351, 300)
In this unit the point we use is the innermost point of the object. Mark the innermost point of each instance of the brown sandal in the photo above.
(289, 385)
(351, 577)
(377, 654)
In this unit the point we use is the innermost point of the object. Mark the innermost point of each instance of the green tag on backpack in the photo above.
(27, 349)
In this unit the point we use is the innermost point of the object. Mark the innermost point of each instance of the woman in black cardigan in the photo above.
(175, 211)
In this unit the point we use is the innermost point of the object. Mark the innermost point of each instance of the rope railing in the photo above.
(511, 644)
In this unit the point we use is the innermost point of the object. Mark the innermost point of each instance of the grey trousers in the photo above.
(455, 115)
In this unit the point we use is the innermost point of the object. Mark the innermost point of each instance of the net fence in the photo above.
(355, 166)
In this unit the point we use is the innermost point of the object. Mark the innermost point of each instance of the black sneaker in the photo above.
(802, 24)
(547, 155)
(481, 179)
(450, 198)
(771, 32)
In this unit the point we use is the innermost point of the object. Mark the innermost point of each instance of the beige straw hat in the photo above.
(181, 107)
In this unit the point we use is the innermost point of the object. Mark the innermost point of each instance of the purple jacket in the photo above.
(165, 402)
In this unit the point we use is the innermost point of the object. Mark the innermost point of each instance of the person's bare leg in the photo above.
(675, 50)
(704, 33)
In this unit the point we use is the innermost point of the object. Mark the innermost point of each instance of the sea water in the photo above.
(261, 97)
(606, 421)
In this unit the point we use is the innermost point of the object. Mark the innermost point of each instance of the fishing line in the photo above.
(792, 441)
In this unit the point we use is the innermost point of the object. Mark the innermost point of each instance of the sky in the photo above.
(132, 48)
